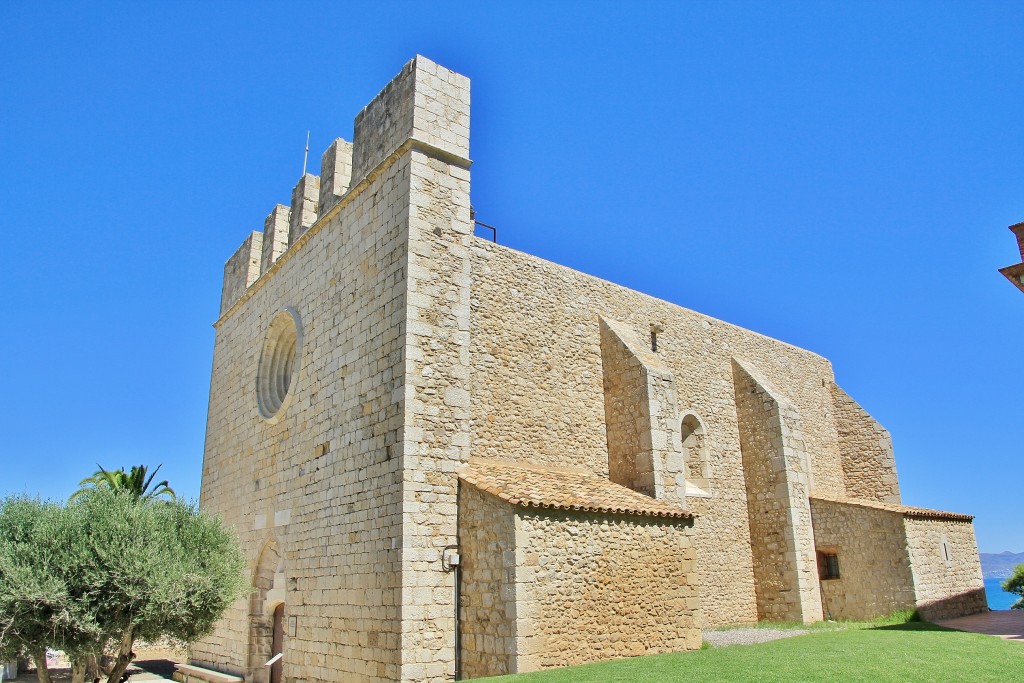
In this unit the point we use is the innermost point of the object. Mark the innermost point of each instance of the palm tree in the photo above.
(134, 482)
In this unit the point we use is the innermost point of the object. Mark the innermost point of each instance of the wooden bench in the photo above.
(186, 673)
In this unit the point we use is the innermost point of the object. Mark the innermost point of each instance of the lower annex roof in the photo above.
(905, 510)
(563, 489)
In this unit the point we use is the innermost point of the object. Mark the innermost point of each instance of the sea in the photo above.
(997, 597)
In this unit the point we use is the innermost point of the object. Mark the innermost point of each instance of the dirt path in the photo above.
(748, 636)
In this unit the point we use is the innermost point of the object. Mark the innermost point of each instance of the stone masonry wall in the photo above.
(537, 365)
(592, 587)
(869, 466)
(538, 393)
(874, 564)
(774, 466)
(488, 615)
(436, 436)
(321, 479)
(946, 588)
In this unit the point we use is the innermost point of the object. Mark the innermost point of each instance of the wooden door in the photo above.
(277, 645)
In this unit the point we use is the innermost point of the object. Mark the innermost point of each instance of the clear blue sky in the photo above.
(838, 176)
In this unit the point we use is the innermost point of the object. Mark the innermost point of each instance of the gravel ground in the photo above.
(749, 636)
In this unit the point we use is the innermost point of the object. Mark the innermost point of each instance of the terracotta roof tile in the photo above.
(905, 510)
(563, 489)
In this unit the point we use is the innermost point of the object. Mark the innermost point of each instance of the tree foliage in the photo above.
(108, 568)
(1015, 584)
(39, 608)
(134, 482)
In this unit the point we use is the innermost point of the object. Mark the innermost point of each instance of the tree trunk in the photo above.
(42, 669)
(92, 667)
(78, 667)
(124, 657)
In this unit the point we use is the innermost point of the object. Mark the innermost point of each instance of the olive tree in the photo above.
(1015, 584)
(38, 607)
(95, 575)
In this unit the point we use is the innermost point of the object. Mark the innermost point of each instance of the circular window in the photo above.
(279, 359)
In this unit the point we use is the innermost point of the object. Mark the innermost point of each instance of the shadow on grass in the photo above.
(913, 626)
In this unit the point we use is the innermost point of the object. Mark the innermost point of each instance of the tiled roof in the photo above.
(905, 510)
(563, 489)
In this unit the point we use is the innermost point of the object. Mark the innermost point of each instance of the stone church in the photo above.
(447, 458)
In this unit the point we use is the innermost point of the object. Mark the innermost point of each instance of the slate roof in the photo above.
(905, 510)
(533, 486)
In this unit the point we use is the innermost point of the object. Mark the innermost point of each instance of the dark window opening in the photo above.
(828, 566)
(655, 329)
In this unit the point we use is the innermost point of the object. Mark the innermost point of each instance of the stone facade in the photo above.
(445, 453)
(572, 568)
(556, 588)
(875, 575)
(947, 572)
(596, 587)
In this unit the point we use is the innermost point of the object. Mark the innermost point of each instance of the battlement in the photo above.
(425, 103)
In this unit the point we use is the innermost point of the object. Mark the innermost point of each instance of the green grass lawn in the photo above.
(901, 653)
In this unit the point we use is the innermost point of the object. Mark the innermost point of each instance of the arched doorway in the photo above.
(277, 645)
(266, 616)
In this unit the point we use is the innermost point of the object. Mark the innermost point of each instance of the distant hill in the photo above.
(999, 565)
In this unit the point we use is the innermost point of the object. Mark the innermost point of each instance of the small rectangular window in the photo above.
(828, 566)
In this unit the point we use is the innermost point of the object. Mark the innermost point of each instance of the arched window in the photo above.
(695, 449)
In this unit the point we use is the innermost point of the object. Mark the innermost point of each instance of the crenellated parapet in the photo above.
(335, 174)
(305, 199)
(424, 104)
(242, 269)
(275, 236)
